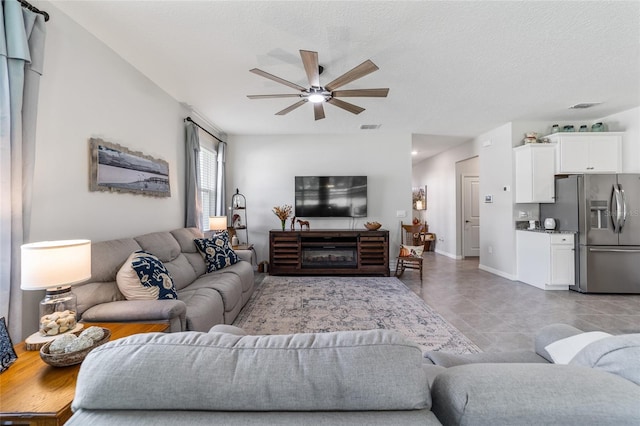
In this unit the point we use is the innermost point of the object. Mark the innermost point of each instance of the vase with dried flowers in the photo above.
(283, 212)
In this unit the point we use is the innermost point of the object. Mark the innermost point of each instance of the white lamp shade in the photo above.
(217, 223)
(419, 205)
(50, 264)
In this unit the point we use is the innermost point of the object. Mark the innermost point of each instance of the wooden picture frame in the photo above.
(114, 168)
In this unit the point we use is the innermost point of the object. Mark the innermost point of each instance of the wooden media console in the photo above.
(329, 252)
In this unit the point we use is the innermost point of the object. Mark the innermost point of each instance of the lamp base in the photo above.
(37, 340)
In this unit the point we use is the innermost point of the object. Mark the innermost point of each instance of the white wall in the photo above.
(438, 173)
(263, 169)
(88, 91)
(629, 122)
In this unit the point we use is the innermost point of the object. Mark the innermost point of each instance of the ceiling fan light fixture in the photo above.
(316, 98)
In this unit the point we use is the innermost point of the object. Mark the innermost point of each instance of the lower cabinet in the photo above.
(546, 260)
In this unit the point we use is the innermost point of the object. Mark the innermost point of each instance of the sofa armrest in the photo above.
(544, 394)
(550, 334)
(171, 311)
(246, 255)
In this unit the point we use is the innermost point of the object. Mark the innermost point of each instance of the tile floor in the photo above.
(502, 315)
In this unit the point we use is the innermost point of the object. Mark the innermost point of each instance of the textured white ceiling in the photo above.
(454, 69)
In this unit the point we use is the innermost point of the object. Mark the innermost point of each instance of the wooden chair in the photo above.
(410, 236)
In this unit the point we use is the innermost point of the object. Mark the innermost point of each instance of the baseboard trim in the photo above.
(450, 255)
(497, 272)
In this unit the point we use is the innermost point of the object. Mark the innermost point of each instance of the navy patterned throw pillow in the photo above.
(7, 354)
(217, 251)
(153, 273)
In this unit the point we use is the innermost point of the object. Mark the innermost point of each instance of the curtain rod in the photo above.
(32, 8)
(204, 130)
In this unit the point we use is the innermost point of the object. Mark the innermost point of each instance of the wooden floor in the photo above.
(502, 315)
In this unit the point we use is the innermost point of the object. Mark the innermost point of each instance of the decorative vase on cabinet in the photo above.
(239, 217)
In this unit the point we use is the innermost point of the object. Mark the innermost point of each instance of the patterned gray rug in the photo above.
(283, 305)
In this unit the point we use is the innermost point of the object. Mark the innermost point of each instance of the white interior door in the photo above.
(470, 216)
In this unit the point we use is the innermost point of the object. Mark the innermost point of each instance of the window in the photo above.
(208, 176)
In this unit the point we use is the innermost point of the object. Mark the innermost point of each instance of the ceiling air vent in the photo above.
(584, 105)
(370, 126)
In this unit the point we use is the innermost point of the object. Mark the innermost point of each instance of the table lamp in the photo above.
(55, 266)
(217, 223)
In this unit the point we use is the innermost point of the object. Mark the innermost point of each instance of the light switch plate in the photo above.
(401, 213)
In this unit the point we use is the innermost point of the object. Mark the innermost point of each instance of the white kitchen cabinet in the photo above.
(546, 260)
(588, 152)
(535, 168)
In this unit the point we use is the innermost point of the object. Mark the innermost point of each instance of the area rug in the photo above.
(283, 305)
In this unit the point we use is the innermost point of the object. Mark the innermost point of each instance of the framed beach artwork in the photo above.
(114, 168)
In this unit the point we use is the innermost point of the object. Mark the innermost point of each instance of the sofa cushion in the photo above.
(445, 359)
(217, 251)
(205, 308)
(563, 350)
(541, 394)
(348, 370)
(144, 277)
(161, 244)
(616, 354)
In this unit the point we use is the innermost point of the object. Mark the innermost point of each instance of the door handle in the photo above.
(615, 216)
(623, 202)
(597, 250)
(467, 221)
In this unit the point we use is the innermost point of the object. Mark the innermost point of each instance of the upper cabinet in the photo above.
(588, 152)
(534, 164)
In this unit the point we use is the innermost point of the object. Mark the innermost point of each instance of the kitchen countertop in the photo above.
(546, 231)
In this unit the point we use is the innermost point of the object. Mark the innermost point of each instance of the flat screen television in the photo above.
(331, 196)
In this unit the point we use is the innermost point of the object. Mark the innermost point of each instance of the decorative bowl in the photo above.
(71, 358)
(372, 226)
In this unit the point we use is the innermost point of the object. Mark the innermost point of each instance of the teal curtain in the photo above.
(22, 36)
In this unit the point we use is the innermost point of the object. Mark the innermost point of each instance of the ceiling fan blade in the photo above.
(310, 62)
(346, 106)
(367, 67)
(318, 111)
(276, 79)
(292, 107)
(361, 93)
(288, 95)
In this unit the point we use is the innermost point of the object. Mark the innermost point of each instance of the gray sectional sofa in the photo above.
(204, 299)
(373, 377)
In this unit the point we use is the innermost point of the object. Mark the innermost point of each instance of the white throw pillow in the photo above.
(562, 351)
(129, 282)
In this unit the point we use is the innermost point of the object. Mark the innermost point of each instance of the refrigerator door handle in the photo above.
(623, 202)
(603, 250)
(616, 216)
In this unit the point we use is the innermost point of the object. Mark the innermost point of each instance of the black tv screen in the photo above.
(331, 196)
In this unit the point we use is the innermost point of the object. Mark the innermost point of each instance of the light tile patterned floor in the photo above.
(501, 315)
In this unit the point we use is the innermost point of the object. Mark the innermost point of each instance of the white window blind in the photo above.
(208, 173)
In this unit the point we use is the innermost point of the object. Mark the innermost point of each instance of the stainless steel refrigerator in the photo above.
(604, 211)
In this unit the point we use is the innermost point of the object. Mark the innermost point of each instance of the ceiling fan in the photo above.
(317, 94)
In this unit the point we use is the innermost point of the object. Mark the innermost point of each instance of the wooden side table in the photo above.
(34, 393)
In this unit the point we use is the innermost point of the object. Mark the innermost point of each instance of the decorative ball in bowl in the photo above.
(372, 226)
(72, 348)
